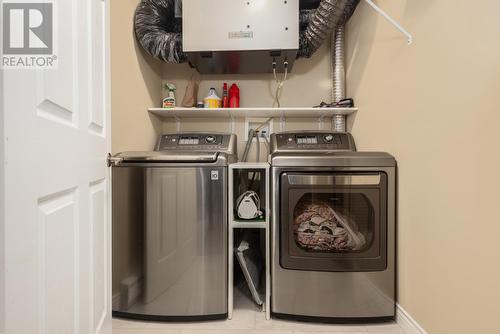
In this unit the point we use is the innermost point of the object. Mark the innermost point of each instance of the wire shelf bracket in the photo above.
(392, 21)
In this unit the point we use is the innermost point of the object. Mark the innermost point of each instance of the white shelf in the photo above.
(295, 112)
(263, 224)
(246, 224)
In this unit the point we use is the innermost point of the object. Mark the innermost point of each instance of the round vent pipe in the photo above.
(158, 31)
(329, 15)
(338, 75)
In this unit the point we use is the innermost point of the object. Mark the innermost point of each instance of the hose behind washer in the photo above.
(248, 146)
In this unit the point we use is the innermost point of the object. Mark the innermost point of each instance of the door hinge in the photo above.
(112, 161)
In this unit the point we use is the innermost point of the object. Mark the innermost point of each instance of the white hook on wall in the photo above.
(391, 20)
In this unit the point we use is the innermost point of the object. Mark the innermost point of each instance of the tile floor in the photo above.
(247, 319)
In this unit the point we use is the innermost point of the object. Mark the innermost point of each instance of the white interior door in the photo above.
(57, 230)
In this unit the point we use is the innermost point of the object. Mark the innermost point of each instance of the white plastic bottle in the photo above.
(212, 100)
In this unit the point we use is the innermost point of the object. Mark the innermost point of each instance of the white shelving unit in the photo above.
(179, 114)
(263, 224)
(295, 112)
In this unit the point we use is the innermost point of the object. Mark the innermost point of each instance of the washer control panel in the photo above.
(314, 141)
(193, 141)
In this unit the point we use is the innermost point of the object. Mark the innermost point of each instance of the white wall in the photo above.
(308, 84)
(135, 84)
(435, 105)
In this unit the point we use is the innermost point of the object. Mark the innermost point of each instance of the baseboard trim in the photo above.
(407, 323)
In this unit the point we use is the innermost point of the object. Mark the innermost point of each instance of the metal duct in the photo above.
(338, 75)
(338, 63)
(329, 15)
(158, 31)
(305, 16)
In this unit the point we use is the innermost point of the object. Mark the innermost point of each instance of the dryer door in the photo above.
(333, 221)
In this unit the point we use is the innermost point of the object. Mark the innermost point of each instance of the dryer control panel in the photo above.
(299, 141)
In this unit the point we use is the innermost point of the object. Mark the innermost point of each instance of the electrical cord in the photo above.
(264, 123)
(251, 134)
(258, 147)
(280, 83)
(257, 158)
(266, 142)
(255, 133)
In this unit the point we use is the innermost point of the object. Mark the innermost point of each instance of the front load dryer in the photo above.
(333, 244)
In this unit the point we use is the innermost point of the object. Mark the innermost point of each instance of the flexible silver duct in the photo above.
(338, 74)
(159, 31)
(305, 16)
(338, 63)
(329, 15)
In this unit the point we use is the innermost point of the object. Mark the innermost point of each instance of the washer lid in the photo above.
(167, 157)
(193, 148)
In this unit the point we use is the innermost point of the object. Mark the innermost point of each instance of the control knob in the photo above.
(329, 138)
(210, 139)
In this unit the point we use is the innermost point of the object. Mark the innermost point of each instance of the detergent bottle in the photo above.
(212, 100)
(234, 96)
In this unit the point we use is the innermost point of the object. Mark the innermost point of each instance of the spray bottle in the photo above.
(169, 101)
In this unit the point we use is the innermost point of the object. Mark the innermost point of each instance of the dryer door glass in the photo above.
(333, 222)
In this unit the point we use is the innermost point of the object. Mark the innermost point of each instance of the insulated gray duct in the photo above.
(305, 16)
(329, 15)
(158, 31)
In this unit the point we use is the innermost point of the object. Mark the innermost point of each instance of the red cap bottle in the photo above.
(225, 98)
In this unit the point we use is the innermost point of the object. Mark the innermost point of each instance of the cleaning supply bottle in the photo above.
(234, 96)
(212, 100)
(169, 101)
(225, 98)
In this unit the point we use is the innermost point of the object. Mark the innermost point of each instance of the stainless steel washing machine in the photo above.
(333, 235)
(170, 228)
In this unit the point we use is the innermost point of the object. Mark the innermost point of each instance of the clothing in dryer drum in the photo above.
(319, 227)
